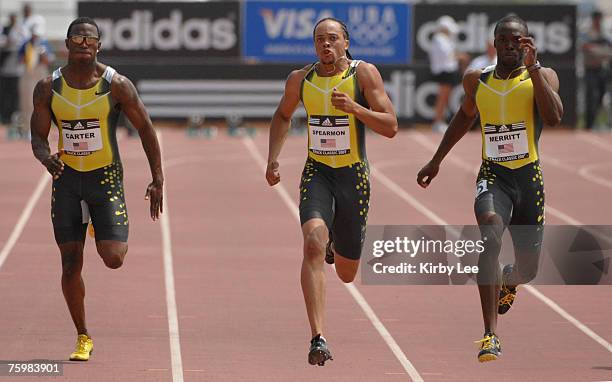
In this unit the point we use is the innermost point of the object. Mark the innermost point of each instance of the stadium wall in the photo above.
(217, 57)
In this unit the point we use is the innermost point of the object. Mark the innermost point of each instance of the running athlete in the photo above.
(341, 96)
(84, 99)
(514, 99)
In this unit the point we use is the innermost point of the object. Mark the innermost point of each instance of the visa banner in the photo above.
(281, 31)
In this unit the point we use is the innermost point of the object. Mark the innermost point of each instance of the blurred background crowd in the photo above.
(25, 58)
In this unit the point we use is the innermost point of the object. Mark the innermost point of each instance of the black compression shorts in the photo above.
(448, 78)
(517, 196)
(98, 193)
(341, 197)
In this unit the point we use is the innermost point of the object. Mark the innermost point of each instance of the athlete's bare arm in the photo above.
(125, 93)
(459, 125)
(279, 127)
(545, 89)
(40, 125)
(545, 85)
(381, 116)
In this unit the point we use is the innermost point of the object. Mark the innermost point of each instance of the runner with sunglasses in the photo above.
(84, 99)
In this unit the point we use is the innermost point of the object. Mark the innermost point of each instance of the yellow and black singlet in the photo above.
(87, 120)
(335, 138)
(509, 120)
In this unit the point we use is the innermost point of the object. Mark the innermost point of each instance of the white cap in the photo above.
(448, 23)
(38, 29)
(36, 25)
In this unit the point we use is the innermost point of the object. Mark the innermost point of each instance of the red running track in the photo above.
(235, 247)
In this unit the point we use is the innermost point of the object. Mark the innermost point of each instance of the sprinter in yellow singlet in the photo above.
(84, 99)
(514, 100)
(341, 96)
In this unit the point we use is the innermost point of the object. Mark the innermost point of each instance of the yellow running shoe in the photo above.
(490, 347)
(83, 348)
(91, 231)
(507, 295)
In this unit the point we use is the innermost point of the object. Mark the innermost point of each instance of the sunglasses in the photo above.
(78, 39)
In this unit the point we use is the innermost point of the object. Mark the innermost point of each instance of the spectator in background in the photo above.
(597, 52)
(30, 21)
(484, 60)
(10, 69)
(444, 67)
(36, 56)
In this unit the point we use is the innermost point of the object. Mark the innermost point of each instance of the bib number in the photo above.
(329, 135)
(82, 136)
(481, 187)
(507, 142)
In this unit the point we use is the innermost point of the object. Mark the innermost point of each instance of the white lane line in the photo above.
(24, 217)
(586, 172)
(390, 163)
(357, 296)
(583, 172)
(173, 324)
(595, 142)
(555, 162)
(585, 329)
(531, 289)
(399, 191)
(562, 215)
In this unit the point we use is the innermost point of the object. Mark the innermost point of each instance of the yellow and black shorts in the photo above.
(98, 194)
(341, 197)
(517, 196)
